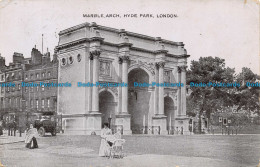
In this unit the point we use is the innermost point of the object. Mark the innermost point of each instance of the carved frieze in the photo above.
(167, 76)
(148, 65)
(105, 68)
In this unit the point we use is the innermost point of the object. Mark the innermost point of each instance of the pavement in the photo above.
(5, 139)
(139, 151)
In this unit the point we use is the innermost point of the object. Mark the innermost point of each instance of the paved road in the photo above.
(182, 151)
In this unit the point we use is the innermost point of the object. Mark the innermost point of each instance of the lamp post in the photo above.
(229, 122)
(23, 108)
(220, 120)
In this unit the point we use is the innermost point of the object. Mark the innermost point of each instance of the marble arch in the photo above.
(109, 55)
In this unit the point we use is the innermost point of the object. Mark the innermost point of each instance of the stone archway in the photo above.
(138, 100)
(107, 107)
(169, 113)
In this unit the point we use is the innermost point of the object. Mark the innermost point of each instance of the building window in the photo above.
(225, 121)
(37, 103)
(48, 103)
(37, 88)
(79, 57)
(220, 119)
(63, 61)
(71, 59)
(37, 75)
(19, 86)
(26, 76)
(42, 103)
(31, 77)
(26, 88)
(31, 103)
(43, 74)
(42, 87)
(49, 74)
(8, 89)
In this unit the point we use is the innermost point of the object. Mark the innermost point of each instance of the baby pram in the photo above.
(116, 149)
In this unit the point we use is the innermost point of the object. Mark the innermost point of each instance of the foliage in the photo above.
(247, 97)
(211, 99)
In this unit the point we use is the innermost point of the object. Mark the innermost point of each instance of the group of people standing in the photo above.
(30, 137)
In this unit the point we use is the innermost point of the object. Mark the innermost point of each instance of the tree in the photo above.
(247, 97)
(209, 98)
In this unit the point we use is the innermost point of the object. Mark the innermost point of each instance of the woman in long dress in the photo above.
(30, 138)
(104, 146)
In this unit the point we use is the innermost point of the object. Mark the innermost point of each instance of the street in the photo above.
(140, 150)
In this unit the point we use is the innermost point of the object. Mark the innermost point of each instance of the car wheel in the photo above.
(41, 132)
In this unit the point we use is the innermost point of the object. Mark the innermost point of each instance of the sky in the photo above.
(218, 28)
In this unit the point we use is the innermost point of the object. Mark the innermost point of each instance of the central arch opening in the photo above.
(138, 101)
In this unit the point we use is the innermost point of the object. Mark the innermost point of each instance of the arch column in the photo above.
(182, 121)
(125, 60)
(160, 120)
(95, 95)
(183, 90)
(123, 118)
(161, 88)
(179, 92)
(93, 119)
(89, 89)
(156, 90)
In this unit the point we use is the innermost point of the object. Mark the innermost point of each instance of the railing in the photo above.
(146, 130)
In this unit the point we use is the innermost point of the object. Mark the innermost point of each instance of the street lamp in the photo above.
(220, 120)
(229, 122)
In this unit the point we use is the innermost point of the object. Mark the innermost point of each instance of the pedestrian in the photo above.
(1, 128)
(15, 127)
(104, 145)
(30, 138)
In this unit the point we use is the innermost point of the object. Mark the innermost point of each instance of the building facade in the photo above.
(24, 104)
(2, 89)
(40, 99)
(13, 94)
(91, 53)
